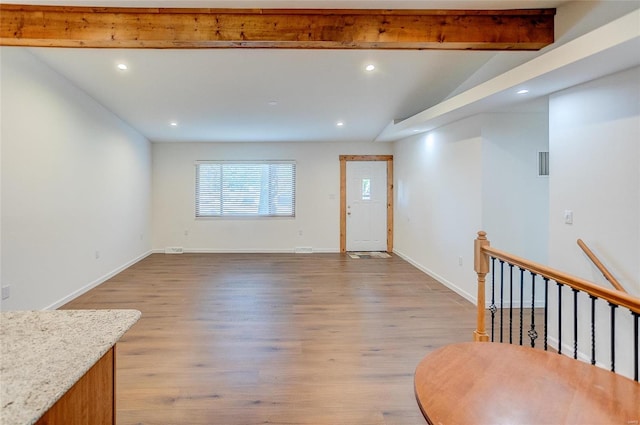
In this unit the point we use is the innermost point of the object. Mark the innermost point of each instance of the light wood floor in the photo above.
(276, 338)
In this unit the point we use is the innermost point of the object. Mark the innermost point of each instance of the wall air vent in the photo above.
(543, 163)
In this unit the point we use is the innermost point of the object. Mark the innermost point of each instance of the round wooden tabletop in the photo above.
(491, 383)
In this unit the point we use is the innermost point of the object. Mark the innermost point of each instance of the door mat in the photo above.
(365, 255)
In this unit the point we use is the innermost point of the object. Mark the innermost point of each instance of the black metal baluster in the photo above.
(635, 345)
(492, 307)
(521, 301)
(510, 303)
(501, 296)
(560, 285)
(593, 329)
(546, 311)
(575, 323)
(533, 335)
(613, 336)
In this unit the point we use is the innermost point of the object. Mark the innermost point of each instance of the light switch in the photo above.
(568, 217)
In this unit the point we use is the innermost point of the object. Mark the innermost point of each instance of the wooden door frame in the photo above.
(343, 196)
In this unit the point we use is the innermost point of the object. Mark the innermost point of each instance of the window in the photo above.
(366, 189)
(249, 188)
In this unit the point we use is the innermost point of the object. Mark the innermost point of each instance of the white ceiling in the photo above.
(225, 95)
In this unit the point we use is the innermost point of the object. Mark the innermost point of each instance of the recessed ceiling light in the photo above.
(340, 123)
(370, 67)
(523, 91)
(122, 67)
(173, 124)
(273, 102)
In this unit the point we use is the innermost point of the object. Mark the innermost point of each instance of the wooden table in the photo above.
(492, 383)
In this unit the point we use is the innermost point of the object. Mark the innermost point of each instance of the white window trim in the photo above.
(199, 215)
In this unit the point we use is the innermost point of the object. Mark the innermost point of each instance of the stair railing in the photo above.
(528, 274)
(603, 269)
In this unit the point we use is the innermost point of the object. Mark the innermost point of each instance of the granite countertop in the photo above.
(44, 353)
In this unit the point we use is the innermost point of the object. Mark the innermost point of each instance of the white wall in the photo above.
(317, 198)
(594, 135)
(595, 172)
(515, 199)
(76, 180)
(438, 208)
(480, 173)
(476, 174)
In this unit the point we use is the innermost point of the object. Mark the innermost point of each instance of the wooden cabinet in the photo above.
(91, 400)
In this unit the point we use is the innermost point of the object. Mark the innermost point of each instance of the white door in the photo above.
(366, 206)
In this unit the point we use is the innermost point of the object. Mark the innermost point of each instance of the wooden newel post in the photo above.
(481, 266)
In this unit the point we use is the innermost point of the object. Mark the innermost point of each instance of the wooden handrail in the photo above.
(484, 256)
(611, 295)
(605, 272)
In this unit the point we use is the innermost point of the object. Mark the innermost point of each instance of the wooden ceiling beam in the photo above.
(105, 27)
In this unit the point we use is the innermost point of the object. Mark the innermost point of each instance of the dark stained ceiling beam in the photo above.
(106, 27)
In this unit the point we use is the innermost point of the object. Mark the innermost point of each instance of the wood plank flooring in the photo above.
(276, 338)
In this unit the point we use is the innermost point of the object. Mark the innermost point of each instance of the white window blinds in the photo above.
(250, 188)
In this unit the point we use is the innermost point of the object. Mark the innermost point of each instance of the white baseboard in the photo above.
(236, 251)
(326, 251)
(445, 282)
(246, 251)
(567, 350)
(96, 282)
(507, 304)
(539, 303)
(624, 368)
(469, 297)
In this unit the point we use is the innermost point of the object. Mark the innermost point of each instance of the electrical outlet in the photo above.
(6, 292)
(459, 261)
(97, 254)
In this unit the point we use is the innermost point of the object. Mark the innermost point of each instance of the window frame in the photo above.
(238, 215)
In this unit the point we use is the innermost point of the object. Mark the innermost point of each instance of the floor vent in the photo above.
(303, 250)
(173, 250)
